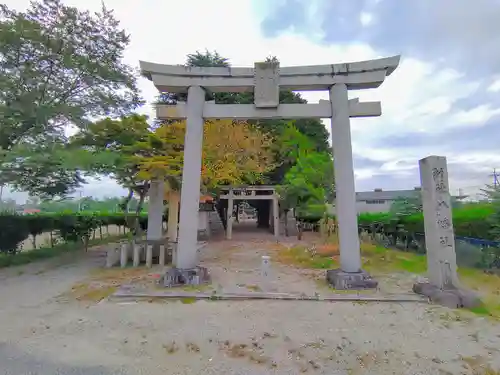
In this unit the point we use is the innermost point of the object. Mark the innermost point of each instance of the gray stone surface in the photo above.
(452, 298)
(346, 280)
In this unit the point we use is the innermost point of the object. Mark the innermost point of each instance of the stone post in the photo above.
(345, 203)
(230, 206)
(173, 216)
(124, 255)
(439, 234)
(149, 256)
(155, 212)
(161, 258)
(276, 216)
(191, 178)
(265, 269)
(137, 254)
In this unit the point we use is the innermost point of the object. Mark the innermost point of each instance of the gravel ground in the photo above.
(44, 335)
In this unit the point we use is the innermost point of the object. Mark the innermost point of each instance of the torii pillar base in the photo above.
(180, 277)
(350, 280)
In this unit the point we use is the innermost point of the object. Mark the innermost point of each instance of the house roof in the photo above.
(386, 195)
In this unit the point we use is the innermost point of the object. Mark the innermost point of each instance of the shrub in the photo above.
(13, 231)
(71, 226)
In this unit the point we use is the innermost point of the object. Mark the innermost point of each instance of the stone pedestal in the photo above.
(453, 298)
(350, 280)
(443, 286)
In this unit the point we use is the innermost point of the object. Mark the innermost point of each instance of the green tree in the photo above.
(114, 146)
(403, 206)
(59, 66)
(207, 59)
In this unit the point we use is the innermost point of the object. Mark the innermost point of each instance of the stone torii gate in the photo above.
(266, 79)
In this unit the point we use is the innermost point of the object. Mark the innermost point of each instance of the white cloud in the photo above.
(418, 96)
(366, 19)
(495, 86)
(476, 116)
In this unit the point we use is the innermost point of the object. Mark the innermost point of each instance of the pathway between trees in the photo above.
(45, 331)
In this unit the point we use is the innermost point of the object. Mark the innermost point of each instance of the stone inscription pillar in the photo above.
(439, 234)
(191, 179)
(345, 204)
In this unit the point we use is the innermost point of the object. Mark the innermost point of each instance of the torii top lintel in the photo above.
(356, 75)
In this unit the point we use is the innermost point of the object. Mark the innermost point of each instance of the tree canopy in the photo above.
(312, 128)
(59, 67)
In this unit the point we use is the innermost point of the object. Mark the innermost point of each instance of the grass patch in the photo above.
(379, 261)
(91, 292)
(188, 300)
(254, 288)
(305, 257)
(25, 257)
(488, 286)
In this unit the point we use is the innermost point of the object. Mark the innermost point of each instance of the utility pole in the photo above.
(495, 176)
(80, 201)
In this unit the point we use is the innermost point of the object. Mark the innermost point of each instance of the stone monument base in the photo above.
(179, 277)
(452, 298)
(350, 280)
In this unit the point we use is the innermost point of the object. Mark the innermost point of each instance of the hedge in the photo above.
(478, 222)
(70, 226)
(474, 220)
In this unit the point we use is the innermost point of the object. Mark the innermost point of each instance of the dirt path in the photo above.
(42, 334)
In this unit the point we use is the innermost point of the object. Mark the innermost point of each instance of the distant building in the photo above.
(380, 200)
(21, 209)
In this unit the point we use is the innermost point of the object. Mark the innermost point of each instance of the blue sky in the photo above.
(444, 99)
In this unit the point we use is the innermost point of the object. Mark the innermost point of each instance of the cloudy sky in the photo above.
(444, 99)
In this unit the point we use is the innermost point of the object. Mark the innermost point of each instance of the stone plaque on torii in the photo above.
(265, 80)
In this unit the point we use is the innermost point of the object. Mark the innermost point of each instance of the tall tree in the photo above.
(59, 66)
(309, 178)
(312, 128)
(112, 146)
